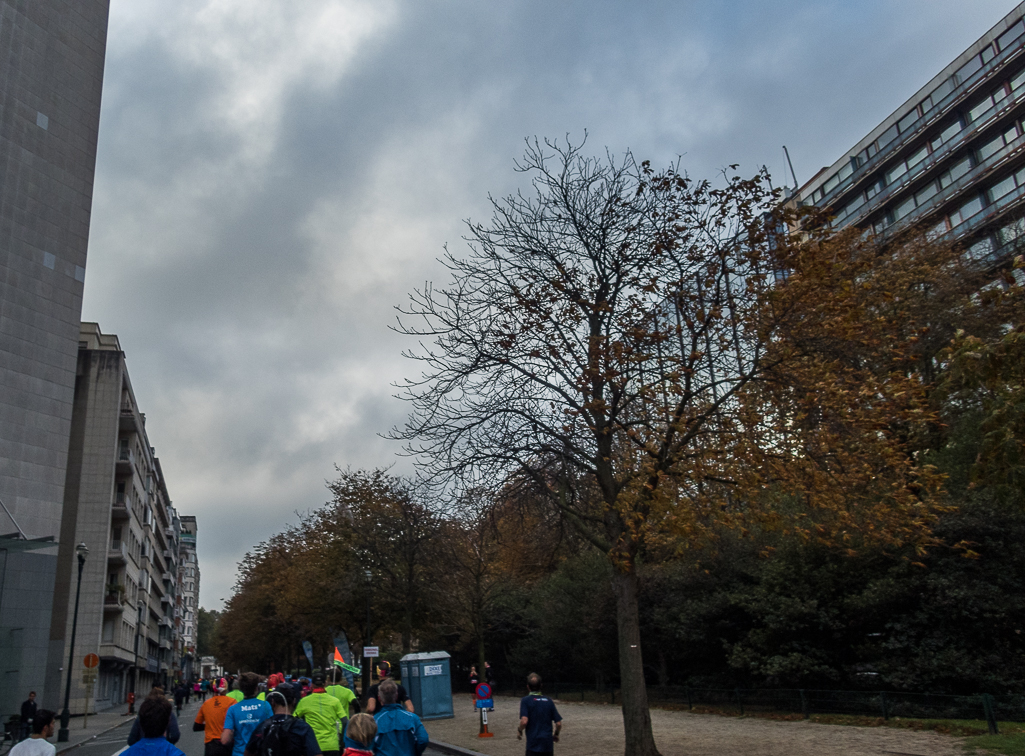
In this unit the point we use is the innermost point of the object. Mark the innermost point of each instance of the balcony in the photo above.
(113, 601)
(125, 462)
(118, 552)
(119, 510)
(167, 577)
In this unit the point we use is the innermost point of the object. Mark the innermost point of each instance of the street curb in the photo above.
(452, 749)
(87, 740)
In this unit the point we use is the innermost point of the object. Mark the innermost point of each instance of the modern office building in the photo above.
(51, 74)
(188, 598)
(116, 503)
(952, 156)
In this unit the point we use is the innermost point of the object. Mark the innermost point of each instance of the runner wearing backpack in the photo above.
(283, 734)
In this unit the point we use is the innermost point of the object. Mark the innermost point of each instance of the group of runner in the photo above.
(284, 717)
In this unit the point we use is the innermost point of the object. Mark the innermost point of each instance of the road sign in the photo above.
(370, 652)
(485, 703)
(88, 676)
(483, 691)
(92, 661)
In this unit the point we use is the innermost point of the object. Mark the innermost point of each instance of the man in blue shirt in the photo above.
(399, 732)
(537, 713)
(244, 717)
(154, 716)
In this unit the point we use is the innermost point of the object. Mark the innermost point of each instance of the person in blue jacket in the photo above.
(399, 732)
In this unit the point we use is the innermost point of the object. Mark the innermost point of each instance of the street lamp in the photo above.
(368, 577)
(62, 735)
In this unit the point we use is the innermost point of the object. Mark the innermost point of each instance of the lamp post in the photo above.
(368, 577)
(62, 735)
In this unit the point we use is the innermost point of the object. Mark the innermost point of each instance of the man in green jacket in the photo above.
(325, 714)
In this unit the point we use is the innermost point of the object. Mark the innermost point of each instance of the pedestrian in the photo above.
(43, 725)
(210, 720)
(359, 736)
(204, 688)
(324, 713)
(154, 720)
(245, 716)
(537, 714)
(196, 690)
(188, 691)
(234, 692)
(399, 732)
(28, 715)
(374, 703)
(283, 734)
(179, 697)
(173, 733)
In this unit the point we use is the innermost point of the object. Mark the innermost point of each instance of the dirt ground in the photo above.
(597, 730)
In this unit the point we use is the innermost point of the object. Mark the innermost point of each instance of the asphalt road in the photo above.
(116, 740)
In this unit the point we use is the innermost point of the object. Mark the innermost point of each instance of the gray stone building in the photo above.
(188, 597)
(51, 74)
(116, 503)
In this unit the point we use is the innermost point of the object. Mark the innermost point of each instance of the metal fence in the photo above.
(885, 704)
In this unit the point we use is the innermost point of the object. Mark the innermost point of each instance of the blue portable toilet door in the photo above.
(435, 688)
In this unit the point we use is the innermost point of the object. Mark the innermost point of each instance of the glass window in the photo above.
(949, 132)
(965, 72)
(904, 208)
(926, 193)
(1001, 188)
(981, 249)
(969, 208)
(873, 189)
(990, 147)
(845, 171)
(938, 94)
(987, 54)
(887, 136)
(959, 169)
(980, 109)
(895, 173)
(918, 156)
(831, 183)
(907, 121)
(1017, 80)
(1008, 37)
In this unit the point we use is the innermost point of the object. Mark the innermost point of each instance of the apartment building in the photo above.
(51, 78)
(952, 156)
(188, 599)
(116, 502)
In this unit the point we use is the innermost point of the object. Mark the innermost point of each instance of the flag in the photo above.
(340, 662)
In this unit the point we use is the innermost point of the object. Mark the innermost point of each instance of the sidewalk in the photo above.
(105, 721)
(96, 725)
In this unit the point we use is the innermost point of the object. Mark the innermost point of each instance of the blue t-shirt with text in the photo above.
(540, 712)
(242, 719)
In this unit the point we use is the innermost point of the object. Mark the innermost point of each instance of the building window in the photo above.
(968, 69)
(949, 132)
(1008, 38)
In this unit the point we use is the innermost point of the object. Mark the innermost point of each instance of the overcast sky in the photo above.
(274, 177)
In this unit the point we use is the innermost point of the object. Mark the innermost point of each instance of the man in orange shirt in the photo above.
(211, 721)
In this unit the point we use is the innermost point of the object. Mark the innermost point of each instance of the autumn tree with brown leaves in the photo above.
(655, 357)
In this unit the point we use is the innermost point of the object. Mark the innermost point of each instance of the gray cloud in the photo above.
(274, 177)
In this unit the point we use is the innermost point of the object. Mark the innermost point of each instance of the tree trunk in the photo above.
(636, 717)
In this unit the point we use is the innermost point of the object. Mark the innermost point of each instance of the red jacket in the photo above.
(356, 752)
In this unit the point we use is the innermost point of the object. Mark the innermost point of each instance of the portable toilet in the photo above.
(427, 678)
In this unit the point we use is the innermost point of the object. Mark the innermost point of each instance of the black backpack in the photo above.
(276, 740)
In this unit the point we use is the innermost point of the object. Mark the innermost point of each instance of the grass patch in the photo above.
(1010, 743)
(1012, 734)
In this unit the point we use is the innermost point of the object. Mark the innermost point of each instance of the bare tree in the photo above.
(593, 343)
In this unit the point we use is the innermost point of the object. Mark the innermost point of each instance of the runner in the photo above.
(154, 718)
(359, 736)
(346, 696)
(173, 733)
(537, 714)
(374, 703)
(245, 716)
(325, 714)
(210, 720)
(235, 693)
(399, 732)
(283, 734)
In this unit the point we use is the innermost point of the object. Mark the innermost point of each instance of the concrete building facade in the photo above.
(50, 84)
(188, 598)
(952, 156)
(116, 503)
